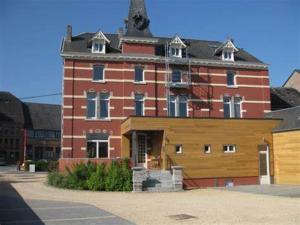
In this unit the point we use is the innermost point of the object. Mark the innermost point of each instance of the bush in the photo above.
(42, 165)
(52, 166)
(96, 181)
(117, 177)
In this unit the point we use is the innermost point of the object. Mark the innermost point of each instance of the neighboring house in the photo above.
(11, 127)
(283, 97)
(32, 127)
(286, 140)
(202, 87)
(293, 81)
(43, 131)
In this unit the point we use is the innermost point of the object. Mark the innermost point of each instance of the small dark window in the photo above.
(178, 149)
(230, 79)
(104, 105)
(229, 148)
(176, 76)
(139, 74)
(207, 149)
(227, 107)
(139, 104)
(98, 73)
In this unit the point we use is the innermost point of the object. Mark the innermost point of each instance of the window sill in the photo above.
(228, 152)
(99, 81)
(97, 119)
(232, 86)
(139, 82)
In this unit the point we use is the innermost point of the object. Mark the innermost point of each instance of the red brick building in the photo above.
(109, 77)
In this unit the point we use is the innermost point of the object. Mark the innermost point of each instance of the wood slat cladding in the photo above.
(193, 134)
(287, 157)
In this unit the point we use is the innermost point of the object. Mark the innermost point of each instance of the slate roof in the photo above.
(290, 116)
(43, 116)
(284, 98)
(292, 74)
(200, 49)
(11, 108)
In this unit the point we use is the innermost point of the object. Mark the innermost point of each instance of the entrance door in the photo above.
(142, 150)
(264, 167)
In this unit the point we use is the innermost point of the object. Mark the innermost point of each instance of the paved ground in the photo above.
(204, 206)
(15, 210)
(274, 190)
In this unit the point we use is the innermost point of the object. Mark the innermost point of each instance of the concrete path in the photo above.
(292, 191)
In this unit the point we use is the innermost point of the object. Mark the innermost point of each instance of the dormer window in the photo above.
(226, 51)
(176, 47)
(99, 42)
(176, 52)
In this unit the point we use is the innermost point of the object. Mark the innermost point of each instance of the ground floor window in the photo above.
(229, 148)
(97, 149)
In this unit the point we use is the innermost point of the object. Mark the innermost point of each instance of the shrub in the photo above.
(96, 181)
(116, 177)
(52, 166)
(41, 165)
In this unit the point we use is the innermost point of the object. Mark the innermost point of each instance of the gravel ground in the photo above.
(203, 206)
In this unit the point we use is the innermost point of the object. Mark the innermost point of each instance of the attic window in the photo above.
(99, 42)
(228, 55)
(98, 47)
(176, 52)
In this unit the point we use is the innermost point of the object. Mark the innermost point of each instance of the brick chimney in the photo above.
(120, 32)
(69, 33)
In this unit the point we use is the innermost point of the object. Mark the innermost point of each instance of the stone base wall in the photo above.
(219, 181)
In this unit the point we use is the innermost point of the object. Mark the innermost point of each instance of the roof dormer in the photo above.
(176, 47)
(99, 41)
(226, 50)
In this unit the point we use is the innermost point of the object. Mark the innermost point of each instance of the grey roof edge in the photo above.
(295, 70)
(285, 130)
(159, 59)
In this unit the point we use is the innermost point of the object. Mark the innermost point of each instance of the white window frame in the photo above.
(143, 102)
(180, 149)
(234, 79)
(228, 148)
(101, 42)
(209, 149)
(99, 81)
(96, 107)
(108, 107)
(231, 104)
(97, 146)
(143, 81)
(179, 51)
(181, 76)
(228, 53)
(177, 103)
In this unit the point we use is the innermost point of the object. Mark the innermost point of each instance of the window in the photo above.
(227, 107)
(176, 52)
(178, 149)
(98, 47)
(232, 107)
(91, 105)
(230, 79)
(98, 73)
(229, 148)
(177, 106)
(172, 105)
(104, 105)
(97, 149)
(237, 107)
(139, 104)
(176, 76)
(207, 149)
(139, 74)
(182, 106)
(228, 56)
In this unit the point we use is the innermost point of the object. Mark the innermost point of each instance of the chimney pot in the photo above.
(120, 32)
(69, 33)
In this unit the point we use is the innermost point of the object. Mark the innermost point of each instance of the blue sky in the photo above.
(31, 33)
